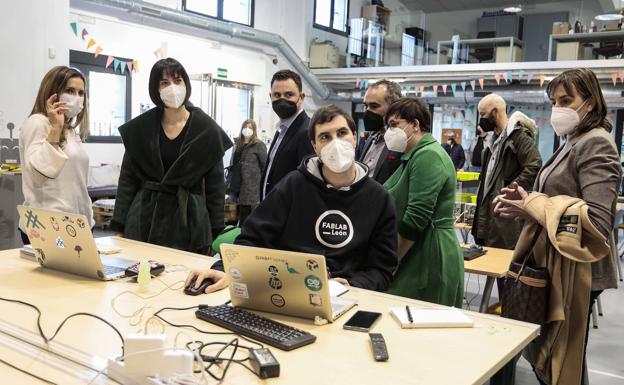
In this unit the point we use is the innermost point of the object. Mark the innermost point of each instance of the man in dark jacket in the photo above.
(512, 156)
(324, 208)
(290, 143)
(455, 151)
(381, 162)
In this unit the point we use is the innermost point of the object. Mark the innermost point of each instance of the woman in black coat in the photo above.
(171, 189)
(248, 161)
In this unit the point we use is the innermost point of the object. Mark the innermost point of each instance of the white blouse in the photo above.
(53, 178)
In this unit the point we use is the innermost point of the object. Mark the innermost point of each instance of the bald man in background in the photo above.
(512, 156)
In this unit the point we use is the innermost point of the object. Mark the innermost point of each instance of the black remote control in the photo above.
(379, 347)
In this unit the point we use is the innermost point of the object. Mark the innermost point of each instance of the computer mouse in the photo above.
(191, 290)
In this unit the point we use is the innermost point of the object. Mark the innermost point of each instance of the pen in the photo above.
(409, 314)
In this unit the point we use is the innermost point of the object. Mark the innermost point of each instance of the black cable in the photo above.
(33, 307)
(25, 372)
(478, 291)
(233, 343)
(207, 358)
(157, 315)
(58, 329)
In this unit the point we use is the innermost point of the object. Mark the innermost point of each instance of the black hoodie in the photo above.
(354, 227)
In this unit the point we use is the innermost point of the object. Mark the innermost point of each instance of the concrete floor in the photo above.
(605, 349)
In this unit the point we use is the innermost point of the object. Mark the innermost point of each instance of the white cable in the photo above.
(140, 312)
(174, 268)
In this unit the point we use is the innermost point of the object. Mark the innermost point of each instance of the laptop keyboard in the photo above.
(256, 327)
(110, 270)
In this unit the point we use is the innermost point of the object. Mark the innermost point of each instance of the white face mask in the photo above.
(247, 132)
(74, 104)
(565, 120)
(173, 96)
(396, 139)
(338, 155)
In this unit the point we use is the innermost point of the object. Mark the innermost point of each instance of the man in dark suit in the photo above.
(290, 143)
(455, 151)
(381, 162)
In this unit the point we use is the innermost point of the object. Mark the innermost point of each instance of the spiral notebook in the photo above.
(431, 318)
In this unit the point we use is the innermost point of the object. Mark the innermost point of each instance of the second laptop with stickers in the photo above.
(64, 241)
(278, 281)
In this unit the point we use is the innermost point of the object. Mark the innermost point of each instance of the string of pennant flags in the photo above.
(506, 77)
(131, 66)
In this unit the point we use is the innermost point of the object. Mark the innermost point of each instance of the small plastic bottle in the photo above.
(145, 276)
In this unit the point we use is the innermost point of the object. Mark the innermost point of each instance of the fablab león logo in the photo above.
(334, 229)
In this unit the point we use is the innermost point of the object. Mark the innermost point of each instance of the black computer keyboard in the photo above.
(256, 327)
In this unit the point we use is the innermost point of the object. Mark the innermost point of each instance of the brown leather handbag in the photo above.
(526, 289)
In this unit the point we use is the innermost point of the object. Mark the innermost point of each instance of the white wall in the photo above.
(28, 29)
(197, 55)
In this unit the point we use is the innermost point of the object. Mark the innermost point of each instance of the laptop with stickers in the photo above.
(64, 241)
(279, 281)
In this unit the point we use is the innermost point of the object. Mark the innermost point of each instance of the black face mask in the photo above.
(487, 124)
(373, 122)
(284, 108)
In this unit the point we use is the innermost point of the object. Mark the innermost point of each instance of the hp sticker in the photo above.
(275, 283)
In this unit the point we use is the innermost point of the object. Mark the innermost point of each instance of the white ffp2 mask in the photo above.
(173, 95)
(247, 132)
(396, 139)
(565, 119)
(74, 104)
(338, 155)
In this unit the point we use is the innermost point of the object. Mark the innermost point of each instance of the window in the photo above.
(236, 11)
(109, 96)
(331, 15)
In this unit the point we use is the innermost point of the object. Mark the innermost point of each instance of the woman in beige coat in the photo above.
(585, 167)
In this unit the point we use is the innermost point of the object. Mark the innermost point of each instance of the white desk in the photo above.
(417, 356)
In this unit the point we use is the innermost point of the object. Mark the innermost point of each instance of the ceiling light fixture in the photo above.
(513, 9)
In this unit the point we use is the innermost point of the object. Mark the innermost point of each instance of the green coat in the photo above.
(423, 188)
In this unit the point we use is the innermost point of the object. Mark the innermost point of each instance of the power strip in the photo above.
(146, 360)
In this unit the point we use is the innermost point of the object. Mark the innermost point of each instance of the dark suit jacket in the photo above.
(293, 148)
(387, 164)
(457, 155)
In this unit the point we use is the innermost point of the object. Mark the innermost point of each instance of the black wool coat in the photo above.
(182, 208)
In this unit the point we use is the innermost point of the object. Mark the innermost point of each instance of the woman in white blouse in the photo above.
(55, 165)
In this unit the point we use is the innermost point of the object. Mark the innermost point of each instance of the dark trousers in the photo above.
(507, 375)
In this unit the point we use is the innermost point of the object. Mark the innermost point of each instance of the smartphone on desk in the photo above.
(156, 268)
(361, 321)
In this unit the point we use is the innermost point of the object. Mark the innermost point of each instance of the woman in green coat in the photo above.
(431, 262)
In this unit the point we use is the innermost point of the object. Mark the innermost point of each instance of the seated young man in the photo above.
(324, 207)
